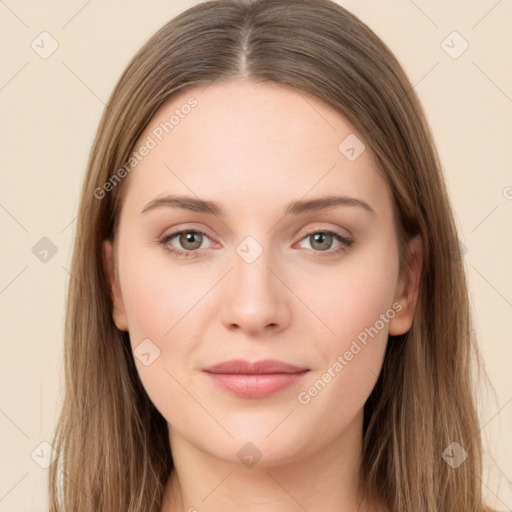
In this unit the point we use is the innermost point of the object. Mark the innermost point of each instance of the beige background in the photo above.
(50, 109)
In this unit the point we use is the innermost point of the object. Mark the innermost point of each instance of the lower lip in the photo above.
(255, 386)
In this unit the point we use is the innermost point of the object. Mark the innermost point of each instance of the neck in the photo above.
(323, 481)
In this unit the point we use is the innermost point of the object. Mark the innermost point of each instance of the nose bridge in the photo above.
(256, 297)
(252, 264)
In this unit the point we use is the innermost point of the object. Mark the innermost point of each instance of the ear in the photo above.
(408, 289)
(118, 313)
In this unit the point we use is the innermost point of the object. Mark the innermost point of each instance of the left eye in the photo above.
(322, 241)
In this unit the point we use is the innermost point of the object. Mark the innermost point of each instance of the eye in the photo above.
(322, 241)
(190, 240)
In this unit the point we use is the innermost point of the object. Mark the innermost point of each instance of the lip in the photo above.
(256, 379)
(262, 367)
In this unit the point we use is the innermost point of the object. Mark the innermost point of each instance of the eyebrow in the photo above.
(294, 208)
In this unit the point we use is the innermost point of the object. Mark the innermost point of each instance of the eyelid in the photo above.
(327, 231)
(327, 226)
(180, 228)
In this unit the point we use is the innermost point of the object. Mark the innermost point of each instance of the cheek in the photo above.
(165, 305)
(157, 295)
(356, 303)
(160, 305)
(350, 297)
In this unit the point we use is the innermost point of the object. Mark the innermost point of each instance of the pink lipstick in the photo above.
(256, 379)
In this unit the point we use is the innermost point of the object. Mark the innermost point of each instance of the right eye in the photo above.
(190, 241)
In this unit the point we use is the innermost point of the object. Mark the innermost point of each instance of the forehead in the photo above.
(253, 146)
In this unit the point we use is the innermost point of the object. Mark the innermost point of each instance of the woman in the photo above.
(268, 308)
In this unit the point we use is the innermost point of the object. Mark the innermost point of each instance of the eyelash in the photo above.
(345, 241)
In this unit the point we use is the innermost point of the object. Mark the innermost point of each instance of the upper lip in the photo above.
(264, 366)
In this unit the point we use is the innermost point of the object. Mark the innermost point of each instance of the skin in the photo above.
(254, 148)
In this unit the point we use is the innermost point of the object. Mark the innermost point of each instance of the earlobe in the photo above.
(118, 313)
(408, 289)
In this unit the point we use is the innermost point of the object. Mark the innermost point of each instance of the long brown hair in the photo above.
(113, 445)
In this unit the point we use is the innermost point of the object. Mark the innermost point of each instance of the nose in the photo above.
(256, 301)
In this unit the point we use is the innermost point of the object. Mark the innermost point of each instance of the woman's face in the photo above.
(263, 270)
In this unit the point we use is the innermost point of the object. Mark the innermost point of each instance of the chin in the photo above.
(262, 447)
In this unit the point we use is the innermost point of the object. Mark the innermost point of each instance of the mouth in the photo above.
(256, 379)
